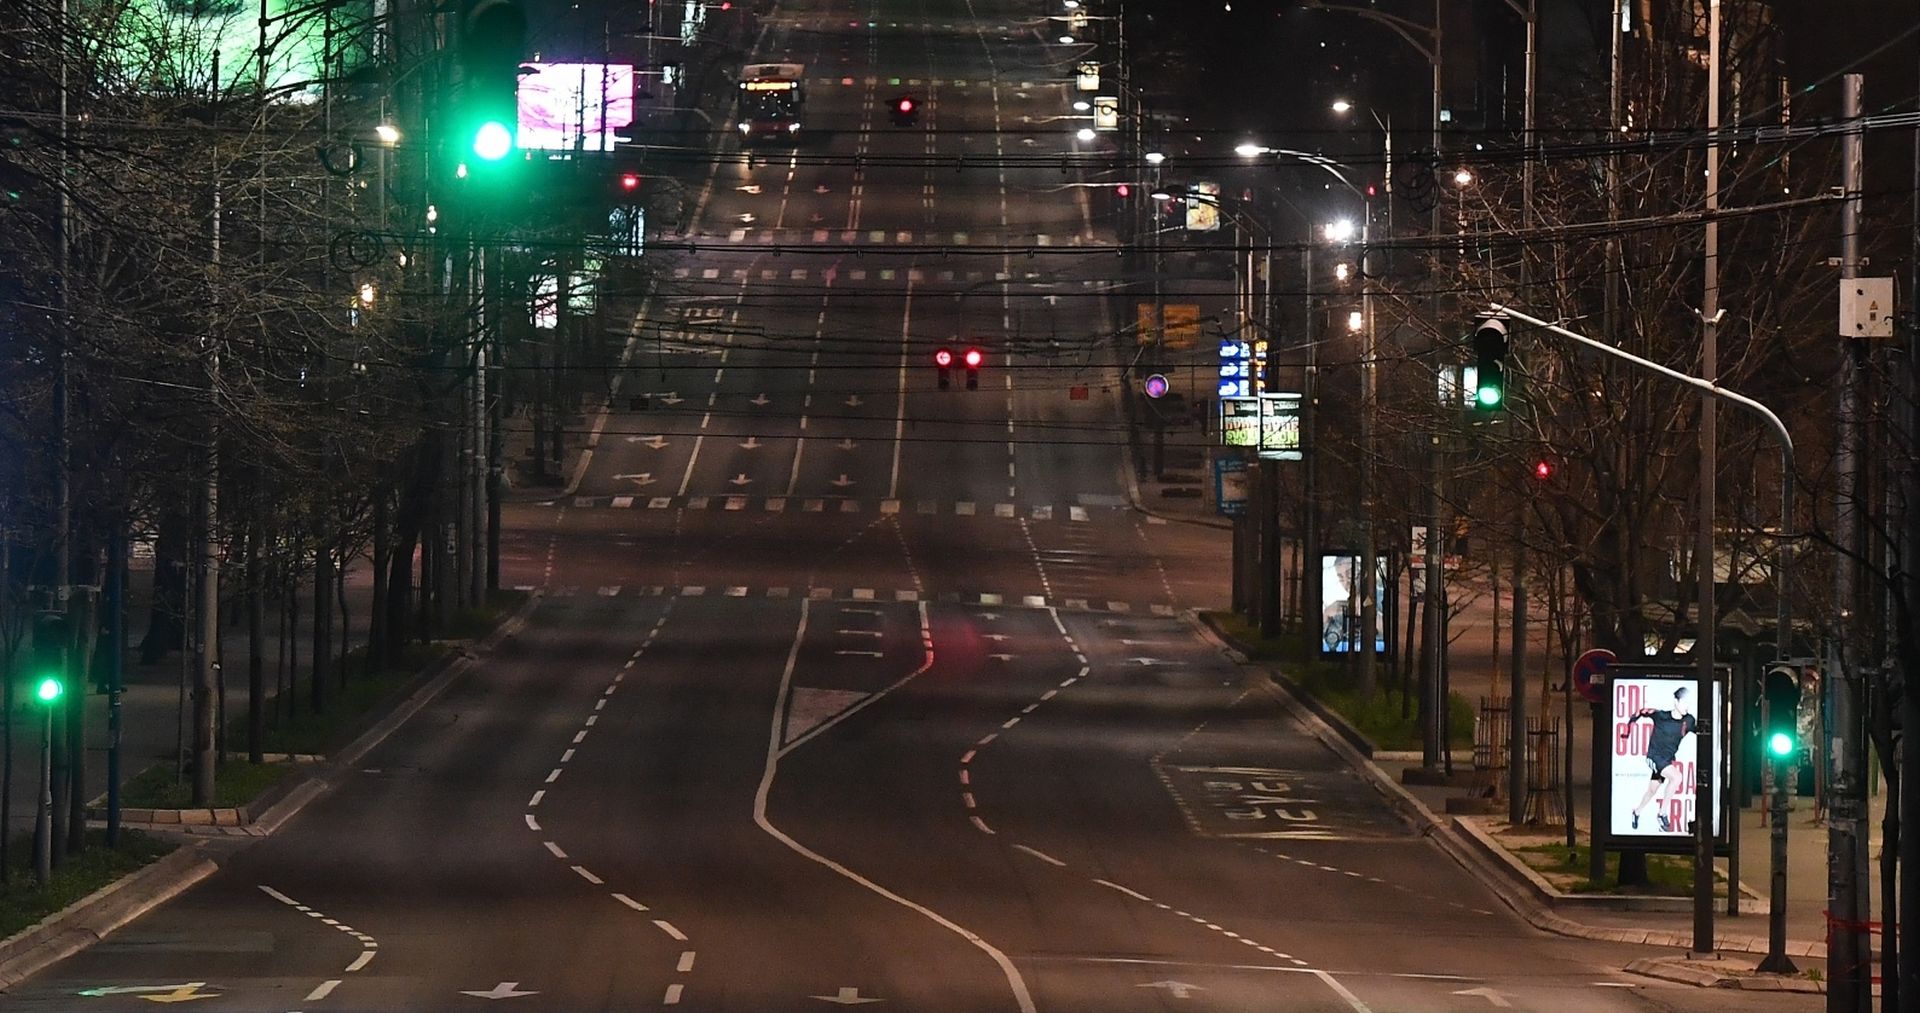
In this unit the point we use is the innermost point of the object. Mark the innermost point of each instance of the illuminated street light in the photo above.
(1156, 157)
(1356, 321)
(1081, 105)
(1248, 149)
(1463, 177)
(389, 134)
(1085, 133)
(1066, 40)
(1341, 105)
(1339, 231)
(366, 293)
(1341, 272)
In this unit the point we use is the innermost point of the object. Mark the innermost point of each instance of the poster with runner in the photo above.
(1653, 756)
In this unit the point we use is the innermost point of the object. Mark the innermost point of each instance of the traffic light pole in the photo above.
(1777, 961)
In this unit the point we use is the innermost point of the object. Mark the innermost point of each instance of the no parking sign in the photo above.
(1589, 670)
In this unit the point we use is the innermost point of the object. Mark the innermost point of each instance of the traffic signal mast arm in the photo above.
(1782, 617)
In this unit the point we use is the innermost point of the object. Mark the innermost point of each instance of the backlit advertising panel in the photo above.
(575, 106)
(1340, 615)
(1652, 777)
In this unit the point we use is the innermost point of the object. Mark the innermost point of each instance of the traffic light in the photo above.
(943, 359)
(973, 360)
(1542, 469)
(493, 39)
(1490, 364)
(905, 111)
(49, 657)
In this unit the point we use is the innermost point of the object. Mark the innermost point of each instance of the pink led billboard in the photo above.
(564, 106)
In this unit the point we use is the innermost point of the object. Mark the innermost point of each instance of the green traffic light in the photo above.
(492, 141)
(1780, 744)
(48, 690)
(1488, 396)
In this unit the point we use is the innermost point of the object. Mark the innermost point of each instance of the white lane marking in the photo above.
(1341, 990)
(361, 961)
(672, 998)
(981, 824)
(588, 876)
(900, 417)
(537, 796)
(1022, 996)
(566, 757)
(281, 897)
(579, 737)
(629, 901)
(1112, 885)
(686, 962)
(532, 824)
(555, 848)
(667, 927)
(553, 775)
(323, 990)
(1041, 855)
(926, 662)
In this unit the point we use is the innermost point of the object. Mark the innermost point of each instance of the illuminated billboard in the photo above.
(575, 106)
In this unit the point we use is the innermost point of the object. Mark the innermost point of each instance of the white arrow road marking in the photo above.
(846, 444)
(1001, 657)
(842, 482)
(740, 479)
(1145, 661)
(185, 993)
(760, 400)
(853, 401)
(847, 997)
(670, 398)
(504, 990)
(138, 989)
(752, 188)
(637, 478)
(653, 442)
(1177, 989)
(1490, 995)
(751, 443)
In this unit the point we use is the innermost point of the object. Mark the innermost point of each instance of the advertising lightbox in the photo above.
(575, 106)
(1652, 777)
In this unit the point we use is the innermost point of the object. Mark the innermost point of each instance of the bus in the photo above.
(771, 98)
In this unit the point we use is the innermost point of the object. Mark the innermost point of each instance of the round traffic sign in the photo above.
(1155, 386)
(1586, 668)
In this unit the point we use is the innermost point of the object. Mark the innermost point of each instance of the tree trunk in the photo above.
(256, 646)
(377, 625)
(165, 618)
(322, 625)
(84, 634)
(346, 620)
(9, 617)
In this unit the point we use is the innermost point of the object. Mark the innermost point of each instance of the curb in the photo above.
(95, 916)
(432, 682)
(1496, 878)
(1671, 969)
(1133, 495)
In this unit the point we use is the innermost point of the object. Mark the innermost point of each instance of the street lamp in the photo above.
(1154, 158)
(388, 133)
(1084, 133)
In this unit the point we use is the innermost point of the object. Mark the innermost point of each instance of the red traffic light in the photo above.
(906, 105)
(943, 357)
(1123, 190)
(973, 358)
(1543, 469)
(629, 181)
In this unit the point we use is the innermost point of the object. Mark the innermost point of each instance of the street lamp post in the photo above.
(47, 693)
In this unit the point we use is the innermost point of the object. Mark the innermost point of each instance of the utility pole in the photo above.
(1706, 617)
(206, 642)
(1848, 954)
(1517, 689)
(1908, 533)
